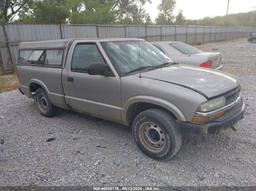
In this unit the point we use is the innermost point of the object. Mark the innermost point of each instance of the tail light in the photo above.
(207, 64)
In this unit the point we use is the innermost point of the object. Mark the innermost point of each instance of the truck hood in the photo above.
(206, 82)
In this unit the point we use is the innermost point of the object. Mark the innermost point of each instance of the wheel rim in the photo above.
(152, 136)
(42, 103)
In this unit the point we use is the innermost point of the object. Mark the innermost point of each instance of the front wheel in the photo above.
(156, 134)
(43, 103)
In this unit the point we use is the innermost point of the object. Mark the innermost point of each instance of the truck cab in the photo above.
(61, 68)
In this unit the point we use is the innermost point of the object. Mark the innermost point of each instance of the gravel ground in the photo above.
(73, 149)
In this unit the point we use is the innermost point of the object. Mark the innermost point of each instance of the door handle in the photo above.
(70, 79)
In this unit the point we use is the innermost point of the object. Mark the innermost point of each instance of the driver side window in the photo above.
(85, 55)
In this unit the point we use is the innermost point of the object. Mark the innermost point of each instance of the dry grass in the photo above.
(8, 82)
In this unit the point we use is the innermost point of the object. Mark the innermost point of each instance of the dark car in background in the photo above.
(252, 37)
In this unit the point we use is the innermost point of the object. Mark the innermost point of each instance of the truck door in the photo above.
(98, 95)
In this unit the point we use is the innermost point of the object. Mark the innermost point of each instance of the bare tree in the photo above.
(228, 7)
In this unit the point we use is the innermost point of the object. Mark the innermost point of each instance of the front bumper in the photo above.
(215, 126)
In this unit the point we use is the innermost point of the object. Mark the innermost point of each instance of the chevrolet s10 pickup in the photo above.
(131, 82)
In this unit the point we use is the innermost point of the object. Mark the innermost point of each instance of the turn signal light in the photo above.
(204, 119)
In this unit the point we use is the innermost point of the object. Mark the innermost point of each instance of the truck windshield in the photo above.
(134, 56)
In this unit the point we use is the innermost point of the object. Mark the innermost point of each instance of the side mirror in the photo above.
(99, 69)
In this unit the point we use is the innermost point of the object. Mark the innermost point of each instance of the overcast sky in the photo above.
(197, 9)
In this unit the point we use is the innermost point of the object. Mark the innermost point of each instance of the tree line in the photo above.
(85, 12)
(106, 12)
(239, 19)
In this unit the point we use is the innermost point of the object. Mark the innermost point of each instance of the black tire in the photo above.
(44, 105)
(156, 134)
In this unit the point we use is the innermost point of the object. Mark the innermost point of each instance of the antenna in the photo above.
(139, 57)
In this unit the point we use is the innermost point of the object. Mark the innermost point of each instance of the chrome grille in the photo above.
(232, 95)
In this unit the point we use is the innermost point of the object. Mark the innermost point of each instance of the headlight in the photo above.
(213, 104)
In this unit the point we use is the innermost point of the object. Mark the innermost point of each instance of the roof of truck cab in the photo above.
(62, 43)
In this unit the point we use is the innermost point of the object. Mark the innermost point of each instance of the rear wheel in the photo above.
(43, 103)
(156, 134)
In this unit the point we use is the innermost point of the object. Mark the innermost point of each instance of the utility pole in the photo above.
(228, 7)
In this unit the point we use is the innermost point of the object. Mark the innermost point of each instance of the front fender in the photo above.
(152, 100)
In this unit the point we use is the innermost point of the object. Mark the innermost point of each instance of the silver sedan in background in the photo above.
(183, 53)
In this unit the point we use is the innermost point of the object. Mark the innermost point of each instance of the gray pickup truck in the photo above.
(131, 82)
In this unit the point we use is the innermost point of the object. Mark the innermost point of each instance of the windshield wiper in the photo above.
(139, 69)
(151, 67)
(165, 64)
